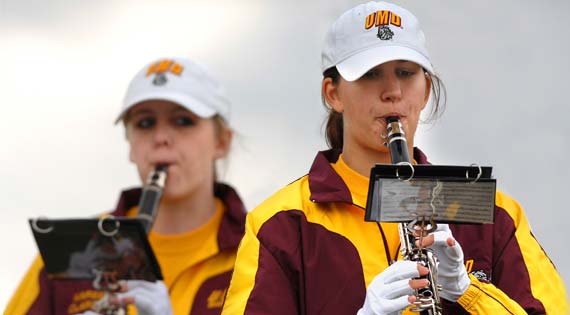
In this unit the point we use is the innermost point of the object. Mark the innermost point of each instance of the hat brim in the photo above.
(357, 65)
(190, 103)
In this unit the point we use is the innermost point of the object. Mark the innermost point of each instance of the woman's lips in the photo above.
(393, 114)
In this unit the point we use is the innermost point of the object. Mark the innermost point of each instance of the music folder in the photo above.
(444, 193)
(88, 248)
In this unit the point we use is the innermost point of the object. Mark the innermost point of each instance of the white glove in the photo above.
(150, 298)
(388, 293)
(451, 272)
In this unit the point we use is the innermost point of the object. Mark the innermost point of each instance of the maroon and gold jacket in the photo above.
(198, 288)
(307, 250)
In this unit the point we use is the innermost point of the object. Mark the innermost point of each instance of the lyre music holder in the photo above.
(438, 193)
(102, 250)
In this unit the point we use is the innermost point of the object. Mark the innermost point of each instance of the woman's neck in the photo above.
(176, 216)
(363, 159)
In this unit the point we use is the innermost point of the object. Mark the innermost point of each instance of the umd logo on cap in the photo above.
(161, 67)
(382, 17)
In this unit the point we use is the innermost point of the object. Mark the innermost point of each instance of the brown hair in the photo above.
(334, 124)
(220, 124)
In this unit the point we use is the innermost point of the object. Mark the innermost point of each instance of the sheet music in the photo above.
(451, 201)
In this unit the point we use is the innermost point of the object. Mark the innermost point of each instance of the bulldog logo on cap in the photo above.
(159, 79)
(385, 33)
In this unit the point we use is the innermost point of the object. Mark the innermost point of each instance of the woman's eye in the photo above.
(184, 121)
(146, 123)
(405, 73)
(372, 74)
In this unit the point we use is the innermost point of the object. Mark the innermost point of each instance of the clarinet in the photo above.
(152, 191)
(427, 299)
(148, 206)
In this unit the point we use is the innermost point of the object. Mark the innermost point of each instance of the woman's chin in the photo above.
(171, 195)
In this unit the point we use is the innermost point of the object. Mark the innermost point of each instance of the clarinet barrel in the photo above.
(150, 198)
(397, 142)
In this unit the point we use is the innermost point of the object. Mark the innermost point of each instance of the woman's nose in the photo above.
(390, 89)
(162, 135)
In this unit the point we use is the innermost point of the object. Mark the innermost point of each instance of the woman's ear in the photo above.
(331, 95)
(224, 142)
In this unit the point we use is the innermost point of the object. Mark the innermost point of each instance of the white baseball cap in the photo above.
(180, 81)
(371, 34)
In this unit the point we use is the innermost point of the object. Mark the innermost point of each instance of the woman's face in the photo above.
(162, 132)
(396, 88)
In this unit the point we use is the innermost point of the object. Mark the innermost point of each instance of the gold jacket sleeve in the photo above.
(27, 291)
(243, 278)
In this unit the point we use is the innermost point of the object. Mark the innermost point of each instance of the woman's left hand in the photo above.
(451, 272)
(150, 298)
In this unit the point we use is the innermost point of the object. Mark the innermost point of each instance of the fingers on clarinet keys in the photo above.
(150, 298)
(392, 290)
(451, 273)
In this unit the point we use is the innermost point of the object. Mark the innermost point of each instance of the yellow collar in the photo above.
(356, 183)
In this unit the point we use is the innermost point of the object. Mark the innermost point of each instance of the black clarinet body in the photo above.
(150, 198)
(397, 142)
(427, 299)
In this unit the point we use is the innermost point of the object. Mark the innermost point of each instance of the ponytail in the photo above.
(334, 124)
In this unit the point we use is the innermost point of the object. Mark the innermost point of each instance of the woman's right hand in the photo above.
(392, 290)
(150, 298)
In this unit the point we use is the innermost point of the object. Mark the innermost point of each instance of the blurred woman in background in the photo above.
(176, 115)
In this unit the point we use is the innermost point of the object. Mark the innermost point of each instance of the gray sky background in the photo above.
(66, 65)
